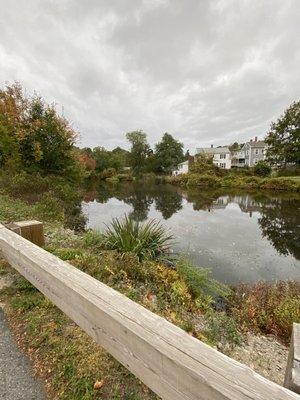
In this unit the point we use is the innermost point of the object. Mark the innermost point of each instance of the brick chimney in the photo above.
(211, 146)
(256, 138)
(251, 140)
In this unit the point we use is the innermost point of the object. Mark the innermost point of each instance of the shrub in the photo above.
(50, 208)
(222, 330)
(269, 308)
(203, 180)
(23, 183)
(289, 172)
(281, 184)
(112, 179)
(149, 240)
(107, 173)
(199, 280)
(262, 168)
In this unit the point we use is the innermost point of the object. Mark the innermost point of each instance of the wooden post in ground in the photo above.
(30, 230)
(292, 374)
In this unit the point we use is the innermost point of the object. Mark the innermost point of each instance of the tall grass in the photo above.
(147, 241)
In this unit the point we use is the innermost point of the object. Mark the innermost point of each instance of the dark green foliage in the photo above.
(140, 151)
(283, 139)
(262, 168)
(149, 240)
(289, 172)
(199, 280)
(116, 159)
(168, 154)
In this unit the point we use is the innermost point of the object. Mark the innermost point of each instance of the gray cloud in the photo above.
(206, 71)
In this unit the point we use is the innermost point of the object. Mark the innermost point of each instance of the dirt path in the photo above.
(16, 377)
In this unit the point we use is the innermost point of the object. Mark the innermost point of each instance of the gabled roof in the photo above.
(258, 143)
(212, 150)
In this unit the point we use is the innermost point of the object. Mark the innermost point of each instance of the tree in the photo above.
(102, 158)
(140, 150)
(47, 144)
(34, 137)
(119, 158)
(283, 139)
(234, 147)
(169, 153)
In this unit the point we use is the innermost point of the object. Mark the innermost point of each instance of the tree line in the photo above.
(164, 158)
(36, 139)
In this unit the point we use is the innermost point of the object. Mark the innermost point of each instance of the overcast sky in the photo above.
(205, 71)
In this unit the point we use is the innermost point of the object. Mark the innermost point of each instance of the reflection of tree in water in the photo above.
(168, 202)
(202, 200)
(279, 222)
(140, 203)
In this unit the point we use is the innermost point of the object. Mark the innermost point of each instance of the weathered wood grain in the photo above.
(168, 360)
(292, 375)
(30, 230)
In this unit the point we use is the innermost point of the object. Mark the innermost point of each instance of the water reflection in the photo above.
(273, 221)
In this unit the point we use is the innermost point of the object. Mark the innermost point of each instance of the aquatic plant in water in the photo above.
(148, 241)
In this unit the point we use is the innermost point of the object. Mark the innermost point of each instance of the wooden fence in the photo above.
(292, 375)
(173, 364)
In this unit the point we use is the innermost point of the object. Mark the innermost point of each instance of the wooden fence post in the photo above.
(292, 373)
(30, 230)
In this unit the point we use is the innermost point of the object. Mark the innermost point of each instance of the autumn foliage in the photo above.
(33, 137)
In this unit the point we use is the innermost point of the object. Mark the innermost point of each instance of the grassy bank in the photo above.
(67, 359)
(232, 181)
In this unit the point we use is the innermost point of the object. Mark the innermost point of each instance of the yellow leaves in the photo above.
(98, 385)
(38, 153)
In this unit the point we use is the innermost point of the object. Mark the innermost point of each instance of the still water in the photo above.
(241, 237)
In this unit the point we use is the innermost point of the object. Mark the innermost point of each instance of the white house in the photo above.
(238, 159)
(183, 168)
(255, 151)
(221, 155)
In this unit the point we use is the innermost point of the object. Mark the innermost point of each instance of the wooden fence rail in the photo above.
(292, 375)
(173, 364)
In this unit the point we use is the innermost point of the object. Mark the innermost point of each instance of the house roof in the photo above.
(184, 163)
(212, 150)
(258, 143)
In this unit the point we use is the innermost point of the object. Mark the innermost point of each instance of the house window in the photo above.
(247, 153)
(256, 151)
(222, 165)
(222, 155)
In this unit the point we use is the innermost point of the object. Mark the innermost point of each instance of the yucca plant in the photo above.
(149, 240)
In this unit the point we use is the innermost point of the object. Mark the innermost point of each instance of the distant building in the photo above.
(221, 155)
(249, 154)
(183, 168)
(238, 159)
(255, 151)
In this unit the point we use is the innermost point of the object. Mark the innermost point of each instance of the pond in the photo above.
(241, 237)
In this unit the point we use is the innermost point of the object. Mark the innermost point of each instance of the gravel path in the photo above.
(16, 379)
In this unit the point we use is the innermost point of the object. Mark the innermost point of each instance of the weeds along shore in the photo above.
(135, 260)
